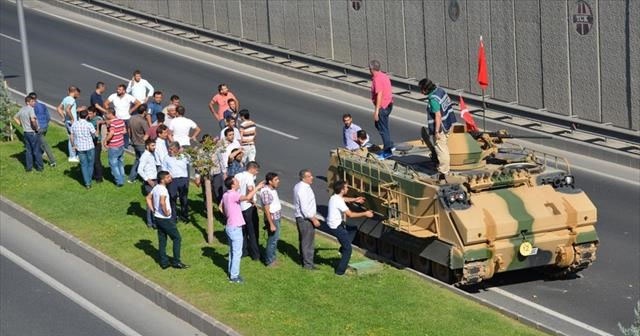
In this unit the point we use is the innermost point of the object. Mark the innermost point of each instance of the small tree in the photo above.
(634, 329)
(6, 111)
(203, 159)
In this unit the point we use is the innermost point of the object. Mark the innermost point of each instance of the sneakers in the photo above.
(237, 280)
(52, 165)
(384, 155)
(74, 159)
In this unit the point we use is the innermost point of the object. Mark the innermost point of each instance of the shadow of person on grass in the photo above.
(21, 157)
(147, 247)
(138, 210)
(75, 173)
(217, 259)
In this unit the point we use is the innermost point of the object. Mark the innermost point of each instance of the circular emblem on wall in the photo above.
(454, 10)
(356, 4)
(583, 18)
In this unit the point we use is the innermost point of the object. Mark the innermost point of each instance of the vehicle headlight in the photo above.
(452, 198)
(568, 179)
(461, 196)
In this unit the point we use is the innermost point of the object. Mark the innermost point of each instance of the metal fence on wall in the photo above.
(572, 57)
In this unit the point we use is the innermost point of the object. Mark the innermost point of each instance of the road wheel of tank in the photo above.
(385, 249)
(368, 242)
(442, 272)
(420, 264)
(402, 256)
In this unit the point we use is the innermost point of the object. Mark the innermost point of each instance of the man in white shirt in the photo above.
(304, 202)
(124, 104)
(178, 166)
(148, 172)
(139, 87)
(181, 127)
(336, 221)
(272, 214)
(158, 202)
(162, 150)
(231, 124)
(229, 145)
(247, 180)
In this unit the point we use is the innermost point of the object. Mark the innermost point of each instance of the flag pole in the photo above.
(484, 107)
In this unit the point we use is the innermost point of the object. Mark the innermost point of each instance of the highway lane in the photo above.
(30, 306)
(610, 284)
(48, 291)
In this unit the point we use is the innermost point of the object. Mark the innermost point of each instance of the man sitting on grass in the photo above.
(158, 202)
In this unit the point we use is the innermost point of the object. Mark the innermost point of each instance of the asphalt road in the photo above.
(30, 306)
(47, 291)
(305, 124)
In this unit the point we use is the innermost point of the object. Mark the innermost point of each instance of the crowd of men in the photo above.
(134, 116)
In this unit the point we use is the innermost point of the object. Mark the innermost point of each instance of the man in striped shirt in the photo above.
(248, 136)
(114, 142)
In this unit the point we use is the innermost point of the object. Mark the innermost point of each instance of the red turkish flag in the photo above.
(467, 117)
(483, 74)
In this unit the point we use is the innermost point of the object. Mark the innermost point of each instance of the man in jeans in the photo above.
(335, 220)
(138, 127)
(67, 111)
(382, 99)
(158, 202)
(271, 206)
(114, 142)
(230, 208)
(43, 116)
(82, 134)
(97, 122)
(26, 118)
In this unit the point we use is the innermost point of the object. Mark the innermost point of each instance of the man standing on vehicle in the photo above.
(383, 102)
(440, 118)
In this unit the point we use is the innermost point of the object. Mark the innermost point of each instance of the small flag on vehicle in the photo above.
(467, 117)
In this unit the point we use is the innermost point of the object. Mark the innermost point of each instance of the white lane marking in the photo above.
(224, 68)
(66, 291)
(260, 126)
(104, 72)
(10, 37)
(549, 311)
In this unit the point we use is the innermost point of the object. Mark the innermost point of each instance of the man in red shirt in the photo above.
(114, 142)
(222, 100)
(382, 99)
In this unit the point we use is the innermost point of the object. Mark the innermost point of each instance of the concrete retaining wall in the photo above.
(539, 54)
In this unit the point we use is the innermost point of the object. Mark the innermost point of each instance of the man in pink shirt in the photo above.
(230, 207)
(222, 100)
(382, 99)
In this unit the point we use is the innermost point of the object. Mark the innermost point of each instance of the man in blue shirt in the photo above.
(67, 111)
(349, 132)
(154, 107)
(96, 99)
(43, 116)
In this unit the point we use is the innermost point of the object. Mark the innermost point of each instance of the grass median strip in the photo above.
(284, 300)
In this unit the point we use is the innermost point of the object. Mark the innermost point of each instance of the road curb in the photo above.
(581, 143)
(147, 288)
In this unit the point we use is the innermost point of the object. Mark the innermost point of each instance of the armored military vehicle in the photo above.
(502, 208)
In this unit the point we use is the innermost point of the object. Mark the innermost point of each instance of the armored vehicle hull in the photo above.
(503, 208)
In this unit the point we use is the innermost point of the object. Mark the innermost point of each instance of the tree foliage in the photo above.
(7, 109)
